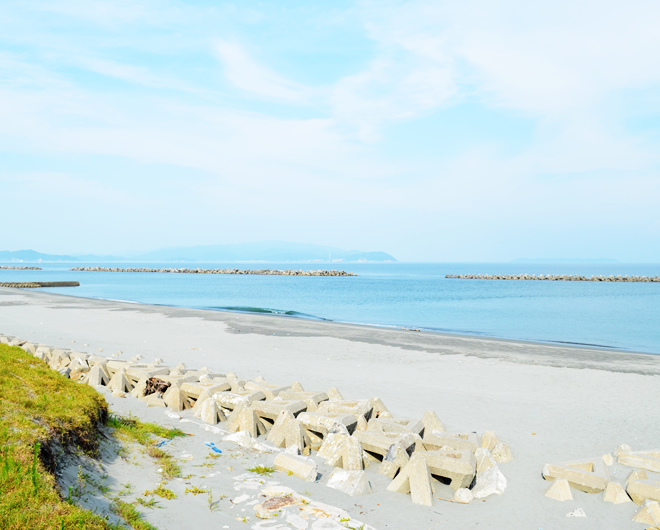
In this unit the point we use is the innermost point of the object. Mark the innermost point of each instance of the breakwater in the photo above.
(17, 268)
(34, 285)
(555, 277)
(263, 272)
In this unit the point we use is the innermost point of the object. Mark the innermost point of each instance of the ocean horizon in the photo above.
(607, 315)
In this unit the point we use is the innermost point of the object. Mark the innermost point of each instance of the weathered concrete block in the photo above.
(608, 459)
(489, 482)
(155, 400)
(559, 490)
(175, 399)
(335, 407)
(244, 418)
(288, 432)
(489, 440)
(311, 399)
(463, 495)
(230, 400)
(270, 391)
(97, 376)
(301, 467)
(460, 441)
(120, 382)
(349, 456)
(456, 465)
(334, 394)
(379, 443)
(136, 374)
(396, 425)
(502, 453)
(331, 444)
(270, 410)
(210, 412)
(641, 490)
(353, 483)
(649, 460)
(29, 347)
(623, 448)
(615, 493)
(415, 478)
(649, 514)
(322, 424)
(395, 459)
(590, 476)
(637, 474)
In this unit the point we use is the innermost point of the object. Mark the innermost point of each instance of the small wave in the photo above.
(268, 311)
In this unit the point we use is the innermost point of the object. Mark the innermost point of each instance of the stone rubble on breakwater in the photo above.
(308, 430)
(34, 285)
(17, 268)
(555, 277)
(264, 272)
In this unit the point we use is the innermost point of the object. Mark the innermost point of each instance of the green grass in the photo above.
(262, 470)
(161, 492)
(129, 514)
(38, 406)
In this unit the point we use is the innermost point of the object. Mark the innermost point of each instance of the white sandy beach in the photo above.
(549, 403)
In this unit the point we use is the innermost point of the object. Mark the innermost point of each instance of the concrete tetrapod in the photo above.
(649, 513)
(460, 441)
(415, 478)
(590, 476)
(615, 493)
(559, 490)
(395, 459)
(288, 431)
(457, 466)
(641, 490)
(243, 418)
(210, 412)
(301, 467)
(349, 456)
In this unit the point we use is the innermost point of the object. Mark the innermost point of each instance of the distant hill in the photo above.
(564, 260)
(281, 251)
(31, 255)
(263, 251)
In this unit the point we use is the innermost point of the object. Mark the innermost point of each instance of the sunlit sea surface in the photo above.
(622, 316)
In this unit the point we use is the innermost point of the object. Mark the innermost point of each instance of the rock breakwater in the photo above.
(33, 285)
(555, 277)
(16, 268)
(263, 272)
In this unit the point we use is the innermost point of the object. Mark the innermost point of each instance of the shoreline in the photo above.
(484, 347)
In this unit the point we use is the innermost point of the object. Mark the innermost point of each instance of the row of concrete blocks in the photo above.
(593, 476)
(348, 435)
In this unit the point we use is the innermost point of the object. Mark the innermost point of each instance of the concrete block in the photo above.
(120, 382)
(489, 440)
(560, 490)
(311, 399)
(461, 441)
(270, 410)
(322, 424)
(649, 460)
(608, 459)
(270, 391)
(379, 410)
(155, 400)
(29, 347)
(353, 483)
(415, 478)
(210, 412)
(331, 444)
(623, 448)
(194, 390)
(288, 432)
(349, 456)
(296, 387)
(590, 476)
(334, 407)
(641, 490)
(244, 418)
(396, 425)
(432, 422)
(489, 482)
(395, 459)
(379, 443)
(175, 399)
(97, 375)
(301, 467)
(457, 466)
(615, 493)
(502, 453)
(42, 352)
(649, 514)
(637, 474)
(138, 389)
(361, 424)
(229, 400)
(334, 394)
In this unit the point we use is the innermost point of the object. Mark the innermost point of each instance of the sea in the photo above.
(607, 315)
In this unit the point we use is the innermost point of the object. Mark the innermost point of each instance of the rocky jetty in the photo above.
(555, 277)
(263, 272)
(33, 285)
(16, 268)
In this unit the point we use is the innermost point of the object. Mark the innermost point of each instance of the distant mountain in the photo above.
(262, 251)
(31, 255)
(281, 251)
(564, 260)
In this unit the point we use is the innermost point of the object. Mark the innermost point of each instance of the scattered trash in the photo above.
(212, 446)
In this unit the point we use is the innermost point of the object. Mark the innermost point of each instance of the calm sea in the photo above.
(413, 295)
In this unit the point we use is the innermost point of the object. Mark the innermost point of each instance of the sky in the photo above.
(431, 130)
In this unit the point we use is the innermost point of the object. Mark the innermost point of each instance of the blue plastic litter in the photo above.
(160, 444)
(212, 446)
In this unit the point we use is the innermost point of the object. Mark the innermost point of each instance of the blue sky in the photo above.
(435, 131)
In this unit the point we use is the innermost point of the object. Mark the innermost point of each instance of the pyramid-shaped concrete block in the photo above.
(395, 459)
(243, 418)
(615, 493)
(649, 514)
(560, 490)
(331, 444)
(636, 474)
(97, 375)
(457, 466)
(349, 455)
(590, 476)
(210, 412)
(415, 478)
(502, 453)
(120, 382)
(353, 483)
(175, 399)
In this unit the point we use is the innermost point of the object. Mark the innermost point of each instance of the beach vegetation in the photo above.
(262, 470)
(131, 515)
(195, 490)
(162, 492)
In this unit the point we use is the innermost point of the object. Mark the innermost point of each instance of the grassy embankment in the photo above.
(41, 413)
